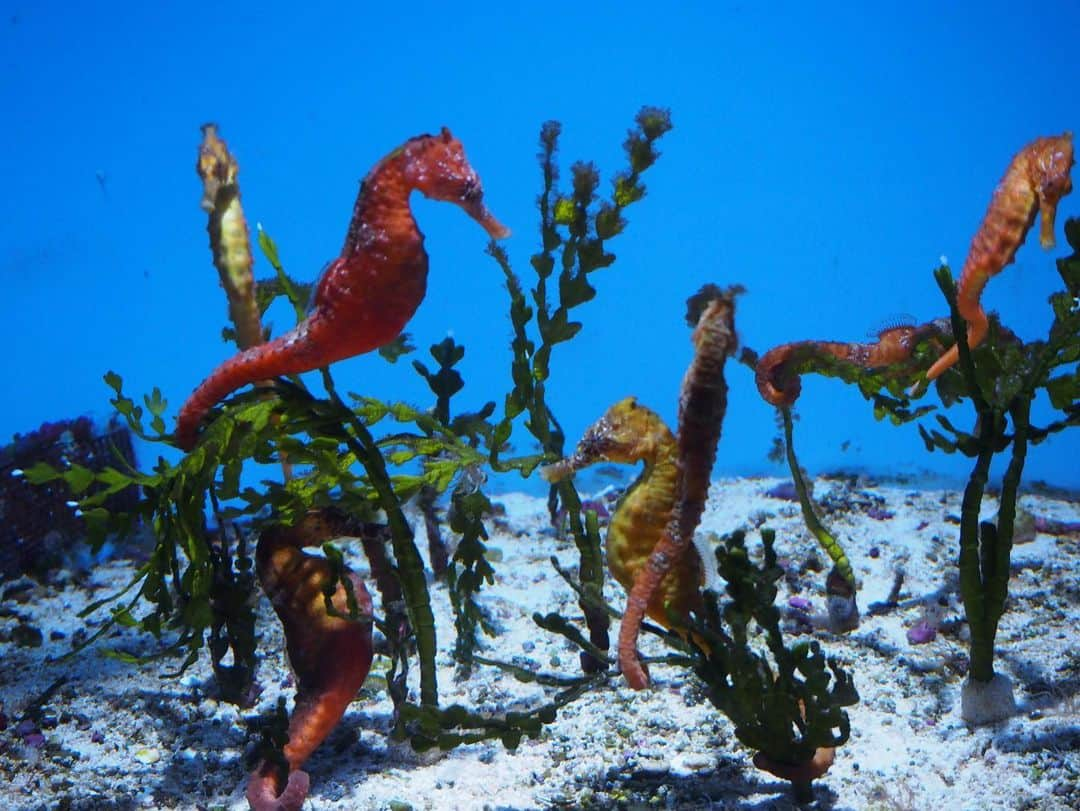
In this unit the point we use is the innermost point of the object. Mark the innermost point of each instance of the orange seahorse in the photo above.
(1035, 181)
(368, 294)
(778, 371)
(329, 654)
(702, 405)
(630, 433)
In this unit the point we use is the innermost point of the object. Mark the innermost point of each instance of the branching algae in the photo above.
(998, 373)
(574, 230)
(790, 710)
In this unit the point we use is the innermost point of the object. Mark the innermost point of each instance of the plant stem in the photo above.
(972, 589)
(813, 523)
(410, 564)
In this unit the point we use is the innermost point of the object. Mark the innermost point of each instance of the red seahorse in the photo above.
(368, 294)
(330, 655)
(1035, 181)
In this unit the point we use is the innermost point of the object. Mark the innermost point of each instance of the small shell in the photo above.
(147, 755)
(921, 632)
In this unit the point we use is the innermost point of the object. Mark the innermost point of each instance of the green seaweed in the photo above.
(574, 231)
(470, 569)
(825, 538)
(1002, 382)
(840, 585)
(787, 704)
(446, 728)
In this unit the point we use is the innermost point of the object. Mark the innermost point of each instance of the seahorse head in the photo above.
(627, 433)
(437, 166)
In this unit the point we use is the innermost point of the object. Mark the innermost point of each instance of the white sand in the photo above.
(126, 738)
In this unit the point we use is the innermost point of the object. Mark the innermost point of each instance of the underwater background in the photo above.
(824, 156)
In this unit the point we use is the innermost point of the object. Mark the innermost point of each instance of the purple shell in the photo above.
(784, 490)
(921, 632)
(598, 506)
(799, 603)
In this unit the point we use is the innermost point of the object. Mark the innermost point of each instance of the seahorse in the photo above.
(330, 655)
(368, 294)
(629, 433)
(778, 371)
(650, 540)
(702, 405)
(1037, 178)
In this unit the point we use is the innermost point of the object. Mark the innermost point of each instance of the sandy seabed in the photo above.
(117, 736)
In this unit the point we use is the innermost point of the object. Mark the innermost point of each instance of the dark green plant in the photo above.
(1002, 382)
(840, 585)
(469, 569)
(785, 705)
(444, 383)
(574, 229)
(233, 596)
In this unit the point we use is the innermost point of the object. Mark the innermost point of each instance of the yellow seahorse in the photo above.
(630, 433)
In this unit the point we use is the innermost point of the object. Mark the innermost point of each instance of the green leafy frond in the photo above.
(787, 703)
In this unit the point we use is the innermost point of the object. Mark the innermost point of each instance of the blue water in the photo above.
(826, 159)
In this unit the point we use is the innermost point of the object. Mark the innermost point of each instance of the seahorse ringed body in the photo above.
(330, 653)
(368, 294)
(629, 433)
(1035, 181)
